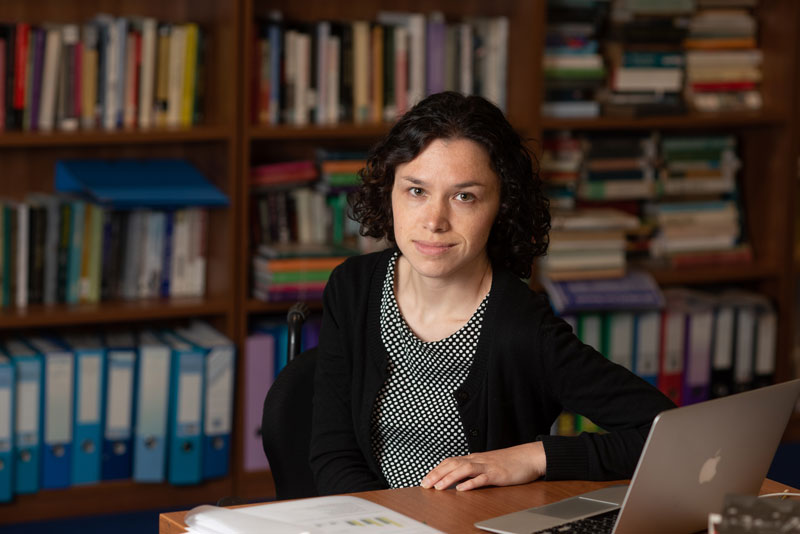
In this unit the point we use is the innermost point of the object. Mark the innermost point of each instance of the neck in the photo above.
(456, 295)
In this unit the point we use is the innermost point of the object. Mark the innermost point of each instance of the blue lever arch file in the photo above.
(138, 183)
(27, 424)
(152, 409)
(220, 355)
(87, 442)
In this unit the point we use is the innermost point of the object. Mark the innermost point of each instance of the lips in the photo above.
(432, 249)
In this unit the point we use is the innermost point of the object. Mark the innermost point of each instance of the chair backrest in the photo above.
(286, 427)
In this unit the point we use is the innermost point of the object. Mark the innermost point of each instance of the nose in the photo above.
(436, 218)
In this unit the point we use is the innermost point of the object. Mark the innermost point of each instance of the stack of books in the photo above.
(646, 58)
(588, 243)
(724, 63)
(573, 65)
(294, 272)
(111, 72)
(559, 168)
(698, 219)
(618, 167)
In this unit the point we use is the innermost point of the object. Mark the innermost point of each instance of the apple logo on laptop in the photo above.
(709, 469)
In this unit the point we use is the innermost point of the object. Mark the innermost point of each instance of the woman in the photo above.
(437, 364)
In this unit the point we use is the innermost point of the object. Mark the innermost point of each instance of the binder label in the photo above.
(189, 403)
(89, 392)
(28, 407)
(59, 399)
(120, 391)
(219, 374)
(5, 416)
(152, 420)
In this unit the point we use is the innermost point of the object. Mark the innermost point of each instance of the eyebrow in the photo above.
(462, 185)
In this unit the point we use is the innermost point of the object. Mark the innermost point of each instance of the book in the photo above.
(637, 290)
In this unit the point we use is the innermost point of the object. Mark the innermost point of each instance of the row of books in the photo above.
(265, 355)
(147, 405)
(637, 166)
(111, 73)
(641, 58)
(370, 71)
(60, 249)
(700, 345)
(673, 198)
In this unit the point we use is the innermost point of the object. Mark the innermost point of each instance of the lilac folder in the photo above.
(259, 354)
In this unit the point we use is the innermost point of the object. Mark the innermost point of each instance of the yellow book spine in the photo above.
(187, 109)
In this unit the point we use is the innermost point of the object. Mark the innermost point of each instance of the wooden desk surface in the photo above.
(454, 511)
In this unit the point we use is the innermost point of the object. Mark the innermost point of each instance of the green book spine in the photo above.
(290, 277)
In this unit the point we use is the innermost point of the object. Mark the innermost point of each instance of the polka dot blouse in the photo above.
(415, 422)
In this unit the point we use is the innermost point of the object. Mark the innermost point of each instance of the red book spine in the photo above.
(708, 87)
(20, 64)
(3, 46)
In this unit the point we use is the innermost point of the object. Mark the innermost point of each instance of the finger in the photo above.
(475, 482)
(438, 472)
(465, 470)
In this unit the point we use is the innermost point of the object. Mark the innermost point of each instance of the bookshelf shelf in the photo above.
(306, 133)
(116, 496)
(257, 306)
(694, 121)
(121, 137)
(711, 274)
(111, 312)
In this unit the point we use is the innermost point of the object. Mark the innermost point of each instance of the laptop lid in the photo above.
(697, 454)
(691, 459)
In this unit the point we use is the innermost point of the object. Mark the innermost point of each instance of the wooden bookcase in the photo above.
(27, 164)
(226, 144)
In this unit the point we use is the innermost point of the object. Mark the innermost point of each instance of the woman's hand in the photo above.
(502, 467)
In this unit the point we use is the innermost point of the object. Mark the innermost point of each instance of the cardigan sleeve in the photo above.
(337, 461)
(618, 401)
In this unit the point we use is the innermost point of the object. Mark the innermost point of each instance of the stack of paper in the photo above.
(320, 515)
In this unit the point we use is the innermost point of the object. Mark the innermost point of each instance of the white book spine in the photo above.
(334, 50)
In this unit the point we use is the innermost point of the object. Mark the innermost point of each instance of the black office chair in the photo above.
(286, 420)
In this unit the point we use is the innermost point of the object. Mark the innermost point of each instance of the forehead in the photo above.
(450, 160)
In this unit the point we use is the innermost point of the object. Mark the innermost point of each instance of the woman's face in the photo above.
(444, 203)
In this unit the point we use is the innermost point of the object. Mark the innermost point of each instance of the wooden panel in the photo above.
(40, 316)
(694, 120)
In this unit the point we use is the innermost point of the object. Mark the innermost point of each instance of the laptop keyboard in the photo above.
(597, 524)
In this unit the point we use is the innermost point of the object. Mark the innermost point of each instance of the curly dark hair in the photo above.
(520, 231)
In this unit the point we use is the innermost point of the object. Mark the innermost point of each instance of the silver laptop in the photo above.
(692, 458)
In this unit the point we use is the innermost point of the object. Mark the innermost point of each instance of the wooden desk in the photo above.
(454, 511)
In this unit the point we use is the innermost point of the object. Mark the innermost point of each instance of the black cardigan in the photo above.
(528, 367)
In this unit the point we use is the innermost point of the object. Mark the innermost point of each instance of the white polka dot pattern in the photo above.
(415, 422)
